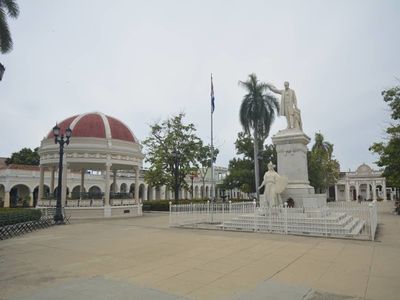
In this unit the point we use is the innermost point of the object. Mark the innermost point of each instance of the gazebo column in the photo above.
(384, 190)
(162, 192)
(347, 191)
(31, 199)
(357, 190)
(145, 193)
(6, 198)
(64, 183)
(368, 191)
(41, 184)
(82, 189)
(336, 193)
(374, 191)
(114, 190)
(136, 185)
(53, 171)
(107, 207)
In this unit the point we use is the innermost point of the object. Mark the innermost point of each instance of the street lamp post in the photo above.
(59, 138)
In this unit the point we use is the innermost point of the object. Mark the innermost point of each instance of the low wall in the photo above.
(102, 212)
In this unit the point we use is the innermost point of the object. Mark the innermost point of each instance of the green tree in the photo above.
(10, 8)
(204, 160)
(25, 156)
(389, 152)
(257, 113)
(241, 169)
(323, 170)
(172, 151)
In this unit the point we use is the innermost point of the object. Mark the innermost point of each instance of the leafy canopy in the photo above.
(389, 152)
(172, 148)
(241, 169)
(323, 170)
(25, 156)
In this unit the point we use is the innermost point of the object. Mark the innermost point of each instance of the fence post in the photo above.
(255, 215)
(223, 215)
(230, 207)
(371, 220)
(208, 210)
(170, 213)
(286, 217)
(325, 216)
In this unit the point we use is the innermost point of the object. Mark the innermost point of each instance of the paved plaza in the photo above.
(141, 258)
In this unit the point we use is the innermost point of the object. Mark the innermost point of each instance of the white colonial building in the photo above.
(102, 167)
(362, 184)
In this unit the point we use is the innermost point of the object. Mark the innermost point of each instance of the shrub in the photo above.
(163, 205)
(9, 216)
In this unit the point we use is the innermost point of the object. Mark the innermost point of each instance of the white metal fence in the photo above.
(335, 220)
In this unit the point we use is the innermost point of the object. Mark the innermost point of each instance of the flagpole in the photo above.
(212, 150)
(212, 142)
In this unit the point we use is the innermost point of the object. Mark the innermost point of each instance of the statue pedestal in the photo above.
(291, 147)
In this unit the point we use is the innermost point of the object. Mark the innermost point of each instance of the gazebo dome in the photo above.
(96, 125)
(97, 139)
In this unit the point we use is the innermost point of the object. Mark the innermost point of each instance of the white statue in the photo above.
(274, 185)
(288, 107)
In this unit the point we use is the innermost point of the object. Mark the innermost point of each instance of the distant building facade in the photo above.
(363, 184)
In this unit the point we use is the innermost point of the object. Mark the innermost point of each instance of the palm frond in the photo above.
(5, 35)
(11, 6)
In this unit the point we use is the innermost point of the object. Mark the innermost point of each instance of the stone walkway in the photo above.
(141, 258)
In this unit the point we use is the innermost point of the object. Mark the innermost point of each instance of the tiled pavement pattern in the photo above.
(141, 258)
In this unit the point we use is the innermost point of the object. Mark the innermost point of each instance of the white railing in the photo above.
(86, 202)
(335, 220)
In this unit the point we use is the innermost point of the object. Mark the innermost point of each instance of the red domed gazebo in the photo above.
(99, 143)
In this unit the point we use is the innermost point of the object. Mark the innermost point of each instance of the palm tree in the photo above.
(10, 8)
(322, 145)
(257, 113)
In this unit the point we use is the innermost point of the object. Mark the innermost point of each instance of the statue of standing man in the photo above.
(288, 107)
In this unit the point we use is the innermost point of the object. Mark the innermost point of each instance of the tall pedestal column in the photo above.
(291, 148)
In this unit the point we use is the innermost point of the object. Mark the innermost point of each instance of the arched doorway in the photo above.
(2, 195)
(95, 192)
(196, 192)
(19, 195)
(76, 192)
(124, 188)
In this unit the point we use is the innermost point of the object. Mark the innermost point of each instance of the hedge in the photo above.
(163, 205)
(9, 216)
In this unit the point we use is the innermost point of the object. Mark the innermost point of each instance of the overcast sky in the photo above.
(144, 61)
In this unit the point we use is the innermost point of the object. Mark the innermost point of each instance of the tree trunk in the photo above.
(256, 166)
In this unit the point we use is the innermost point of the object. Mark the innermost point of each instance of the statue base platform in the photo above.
(291, 148)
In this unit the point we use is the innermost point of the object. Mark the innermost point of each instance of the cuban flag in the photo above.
(212, 96)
